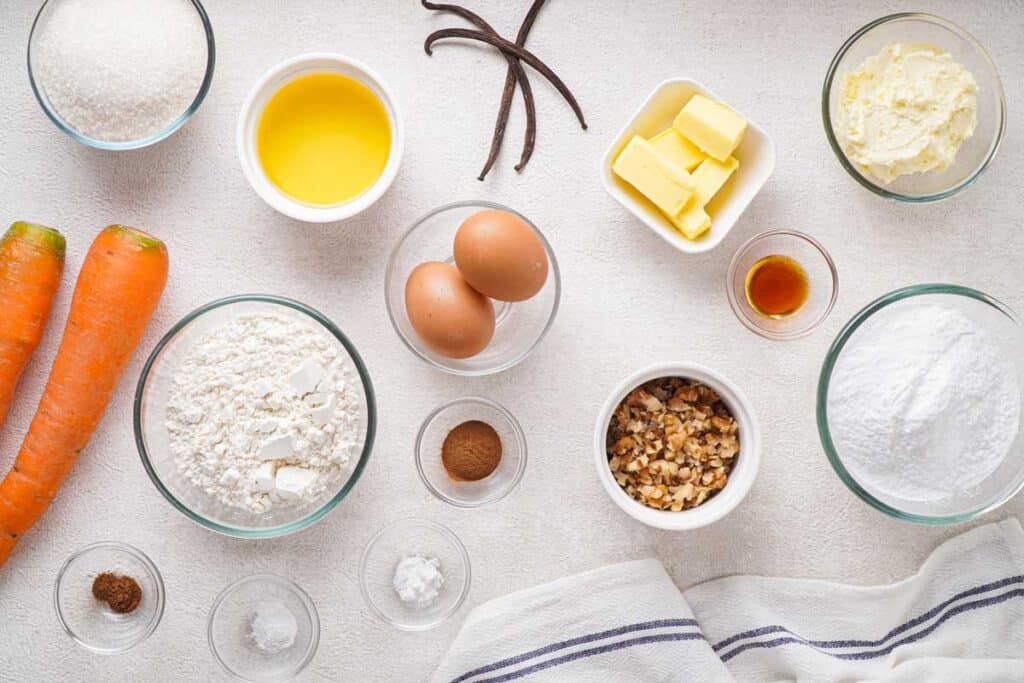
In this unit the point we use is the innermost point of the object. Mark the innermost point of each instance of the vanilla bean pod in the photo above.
(514, 73)
(509, 48)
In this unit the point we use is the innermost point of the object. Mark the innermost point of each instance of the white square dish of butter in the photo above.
(687, 165)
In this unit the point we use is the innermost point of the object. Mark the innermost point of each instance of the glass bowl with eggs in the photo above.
(472, 287)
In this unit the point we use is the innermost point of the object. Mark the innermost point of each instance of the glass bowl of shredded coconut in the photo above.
(254, 416)
(118, 75)
(919, 404)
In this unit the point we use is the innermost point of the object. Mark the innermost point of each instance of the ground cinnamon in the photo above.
(471, 451)
(122, 593)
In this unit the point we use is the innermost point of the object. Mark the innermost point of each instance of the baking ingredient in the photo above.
(923, 404)
(265, 412)
(418, 580)
(906, 110)
(501, 256)
(776, 286)
(471, 451)
(710, 176)
(672, 443)
(677, 149)
(119, 71)
(513, 54)
(515, 74)
(668, 186)
(118, 289)
(712, 126)
(121, 593)
(273, 627)
(324, 138)
(693, 221)
(448, 315)
(31, 264)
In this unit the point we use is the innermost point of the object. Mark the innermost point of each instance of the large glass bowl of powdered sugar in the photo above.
(254, 416)
(919, 404)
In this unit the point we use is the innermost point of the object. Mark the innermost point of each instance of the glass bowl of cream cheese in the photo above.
(913, 107)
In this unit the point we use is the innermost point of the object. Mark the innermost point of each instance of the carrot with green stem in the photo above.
(118, 289)
(31, 265)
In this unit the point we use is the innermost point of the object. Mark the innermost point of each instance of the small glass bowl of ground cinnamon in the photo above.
(109, 597)
(470, 452)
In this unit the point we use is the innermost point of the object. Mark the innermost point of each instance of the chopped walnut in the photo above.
(672, 443)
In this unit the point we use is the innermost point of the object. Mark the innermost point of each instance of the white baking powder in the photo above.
(265, 411)
(273, 627)
(922, 403)
(120, 70)
(418, 580)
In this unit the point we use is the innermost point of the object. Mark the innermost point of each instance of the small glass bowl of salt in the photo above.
(414, 574)
(263, 628)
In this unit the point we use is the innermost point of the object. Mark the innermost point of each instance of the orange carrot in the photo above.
(118, 289)
(31, 264)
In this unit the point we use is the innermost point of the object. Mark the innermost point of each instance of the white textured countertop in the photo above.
(628, 300)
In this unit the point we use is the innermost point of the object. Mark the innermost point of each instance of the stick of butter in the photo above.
(677, 149)
(712, 126)
(665, 184)
(710, 176)
(692, 221)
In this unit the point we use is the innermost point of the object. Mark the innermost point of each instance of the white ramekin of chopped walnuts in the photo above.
(677, 446)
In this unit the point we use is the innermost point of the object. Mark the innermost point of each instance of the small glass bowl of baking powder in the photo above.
(470, 494)
(93, 624)
(977, 151)
(414, 538)
(230, 629)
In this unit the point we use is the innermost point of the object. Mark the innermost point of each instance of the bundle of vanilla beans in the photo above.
(514, 54)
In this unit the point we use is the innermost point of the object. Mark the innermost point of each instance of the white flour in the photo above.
(265, 412)
(923, 404)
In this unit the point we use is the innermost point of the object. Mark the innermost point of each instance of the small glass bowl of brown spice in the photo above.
(470, 452)
(109, 597)
(677, 446)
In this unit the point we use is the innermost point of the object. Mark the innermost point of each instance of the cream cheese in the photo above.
(906, 110)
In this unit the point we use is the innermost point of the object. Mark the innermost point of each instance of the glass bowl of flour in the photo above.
(919, 404)
(254, 416)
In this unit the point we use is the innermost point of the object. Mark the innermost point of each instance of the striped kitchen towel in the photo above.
(960, 618)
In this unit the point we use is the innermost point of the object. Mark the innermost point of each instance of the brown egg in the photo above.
(449, 316)
(501, 256)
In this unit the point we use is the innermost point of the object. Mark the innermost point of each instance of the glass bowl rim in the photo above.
(520, 441)
(307, 602)
(750, 324)
(143, 559)
(170, 129)
(826, 114)
(554, 271)
(328, 506)
(443, 531)
(821, 407)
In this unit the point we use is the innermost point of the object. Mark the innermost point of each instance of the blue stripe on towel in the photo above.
(582, 654)
(765, 630)
(589, 638)
(873, 654)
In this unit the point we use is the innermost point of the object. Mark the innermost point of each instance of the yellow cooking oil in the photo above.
(324, 138)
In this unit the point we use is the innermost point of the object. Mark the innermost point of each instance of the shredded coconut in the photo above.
(418, 580)
(923, 404)
(120, 70)
(265, 412)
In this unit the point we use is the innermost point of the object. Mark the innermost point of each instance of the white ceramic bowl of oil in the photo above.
(248, 127)
(756, 155)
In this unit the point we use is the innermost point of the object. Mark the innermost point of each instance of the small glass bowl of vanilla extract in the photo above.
(782, 284)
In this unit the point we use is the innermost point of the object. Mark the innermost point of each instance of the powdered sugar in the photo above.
(265, 411)
(923, 404)
(120, 70)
